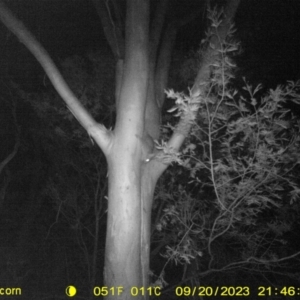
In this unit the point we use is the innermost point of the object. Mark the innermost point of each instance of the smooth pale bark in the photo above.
(124, 225)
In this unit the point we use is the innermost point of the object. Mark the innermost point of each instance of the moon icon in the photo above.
(71, 291)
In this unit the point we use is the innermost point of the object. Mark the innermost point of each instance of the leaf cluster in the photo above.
(242, 161)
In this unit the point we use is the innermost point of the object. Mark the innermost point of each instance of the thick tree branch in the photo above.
(132, 102)
(164, 58)
(112, 29)
(96, 131)
(184, 125)
(212, 52)
(156, 29)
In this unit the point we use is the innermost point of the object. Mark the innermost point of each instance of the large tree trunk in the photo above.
(123, 266)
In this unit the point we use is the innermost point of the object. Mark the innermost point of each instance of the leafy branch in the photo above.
(241, 159)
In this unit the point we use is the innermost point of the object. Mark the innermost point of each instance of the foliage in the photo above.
(242, 161)
(78, 168)
(77, 180)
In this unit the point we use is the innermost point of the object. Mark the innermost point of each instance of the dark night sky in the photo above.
(269, 31)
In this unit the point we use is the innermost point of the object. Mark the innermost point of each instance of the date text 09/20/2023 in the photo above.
(185, 291)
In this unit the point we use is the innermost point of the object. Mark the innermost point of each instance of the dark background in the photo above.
(268, 30)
